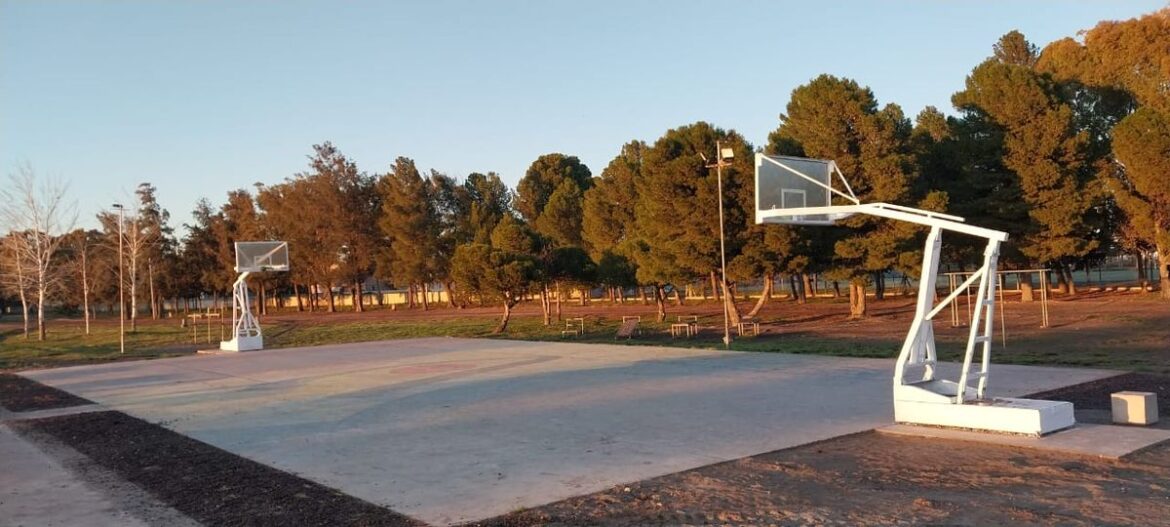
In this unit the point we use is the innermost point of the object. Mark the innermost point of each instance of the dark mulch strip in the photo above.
(19, 394)
(1094, 395)
(210, 485)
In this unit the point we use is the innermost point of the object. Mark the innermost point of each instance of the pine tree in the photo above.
(1142, 185)
(833, 118)
(411, 225)
(676, 214)
(1042, 147)
(542, 179)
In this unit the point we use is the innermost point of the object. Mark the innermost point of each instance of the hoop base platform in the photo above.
(1002, 414)
(242, 344)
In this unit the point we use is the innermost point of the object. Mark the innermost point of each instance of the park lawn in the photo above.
(1128, 333)
(68, 344)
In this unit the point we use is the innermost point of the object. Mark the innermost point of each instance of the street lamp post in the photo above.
(121, 297)
(721, 157)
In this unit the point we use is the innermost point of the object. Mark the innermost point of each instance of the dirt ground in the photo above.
(876, 479)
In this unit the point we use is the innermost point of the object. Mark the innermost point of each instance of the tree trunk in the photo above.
(732, 310)
(1163, 250)
(1068, 278)
(558, 289)
(358, 306)
(150, 289)
(765, 296)
(879, 284)
(642, 295)
(329, 299)
(794, 289)
(23, 306)
(449, 287)
(806, 289)
(503, 325)
(545, 308)
(133, 301)
(857, 308)
(85, 289)
(714, 285)
(1027, 291)
(1143, 279)
(660, 301)
(297, 293)
(425, 302)
(41, 308)
(678, 297)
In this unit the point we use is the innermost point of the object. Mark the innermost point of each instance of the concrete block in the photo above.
(1134, 408)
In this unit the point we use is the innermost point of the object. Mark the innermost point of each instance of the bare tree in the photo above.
(13, 276)
(136, 239)
(37, 214)
(81, 243)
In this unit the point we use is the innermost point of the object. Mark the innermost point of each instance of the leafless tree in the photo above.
(13, 276)
(136, 240)
(37, 214)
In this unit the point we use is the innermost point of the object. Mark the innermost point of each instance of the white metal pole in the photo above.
(121, 285)
(722, 247)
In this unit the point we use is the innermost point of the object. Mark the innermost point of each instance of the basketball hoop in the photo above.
(251, 257)
(800, 191)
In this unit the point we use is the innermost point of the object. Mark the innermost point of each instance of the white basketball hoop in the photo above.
(799, 191)
(251, 257)
(257, 257)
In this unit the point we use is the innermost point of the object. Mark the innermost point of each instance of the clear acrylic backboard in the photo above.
(798, 183)
(255, 257)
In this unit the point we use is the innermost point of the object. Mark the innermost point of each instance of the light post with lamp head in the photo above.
(121, 298)
(722, 158)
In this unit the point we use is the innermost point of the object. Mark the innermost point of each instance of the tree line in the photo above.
(1066, 148)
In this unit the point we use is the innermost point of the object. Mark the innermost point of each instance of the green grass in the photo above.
(68, 345)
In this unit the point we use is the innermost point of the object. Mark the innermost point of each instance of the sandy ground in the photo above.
(875, 479)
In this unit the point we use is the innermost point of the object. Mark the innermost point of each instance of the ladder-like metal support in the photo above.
(918, 350)
(246, 333)
(982, 322)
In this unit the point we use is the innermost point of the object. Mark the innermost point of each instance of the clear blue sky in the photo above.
(202, 97)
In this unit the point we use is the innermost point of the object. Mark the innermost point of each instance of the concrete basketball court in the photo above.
(452, 430)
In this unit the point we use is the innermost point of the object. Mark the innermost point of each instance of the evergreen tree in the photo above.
(608, 208)
(489, 200)
(1142, 183)
(411, 224)
(833, 118)
(560, 220)
(1118, 72)
(543, 177)
(676, 213)
(1042, 147)
(608, 228)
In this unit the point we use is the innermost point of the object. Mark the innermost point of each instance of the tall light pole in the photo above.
(722, 155)
(121, 298)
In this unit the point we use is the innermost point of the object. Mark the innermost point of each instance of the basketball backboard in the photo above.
(255, 257)
(789, 189)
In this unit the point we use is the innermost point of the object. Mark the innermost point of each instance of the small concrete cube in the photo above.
(1135, 408)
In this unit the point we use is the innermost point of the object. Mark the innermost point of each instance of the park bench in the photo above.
(628, 328)
(574, 327)
(748, 326)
